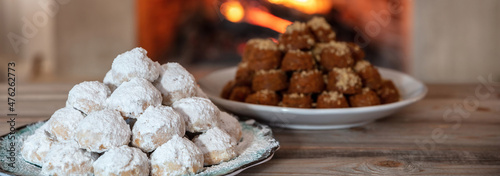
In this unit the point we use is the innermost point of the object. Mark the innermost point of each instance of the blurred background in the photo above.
(51, 41)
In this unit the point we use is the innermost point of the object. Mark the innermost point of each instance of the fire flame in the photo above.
(306, 6)
(233, 11)
(262, 18)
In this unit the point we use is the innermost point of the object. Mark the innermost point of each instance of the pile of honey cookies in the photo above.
(308, 68)
(143, 119)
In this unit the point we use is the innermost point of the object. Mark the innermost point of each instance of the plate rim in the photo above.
(265, 158)
(302, 111)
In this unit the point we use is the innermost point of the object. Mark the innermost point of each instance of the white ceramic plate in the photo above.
(411, 90)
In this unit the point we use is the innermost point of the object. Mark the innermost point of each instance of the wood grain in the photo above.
(418, 140)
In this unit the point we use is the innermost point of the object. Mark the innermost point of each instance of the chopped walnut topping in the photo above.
(307, 73)
(318, 22)
(332, 96)
(263, 44)
(261, 72)
(361, 65)
(299, 52)
(339, 48)
(366, 90)
(296, 26)
(266, 91)
(318, 48)
(346, 78)
(243, 65)
(296, 95)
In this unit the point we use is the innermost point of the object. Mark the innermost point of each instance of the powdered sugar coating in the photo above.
(175, 83)
(216, 145)
(123, 160)
(179, 156)
(36, 146)
(155, 127)
(67, 159)
(133, 97)
(200, 114)
(63, 123)
(230, 125)
(88, 96)
(102, 130)
(111, 81)
(134, 64)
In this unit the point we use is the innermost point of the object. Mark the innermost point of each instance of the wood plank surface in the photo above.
(418, 140)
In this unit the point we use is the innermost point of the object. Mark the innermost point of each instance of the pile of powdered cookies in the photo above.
(135, 123)
(308, 68)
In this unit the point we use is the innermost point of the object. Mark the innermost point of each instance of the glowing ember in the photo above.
(306, 6)
(262, 18)
(233, 11)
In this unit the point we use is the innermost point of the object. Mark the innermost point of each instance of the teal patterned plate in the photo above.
(257, 146)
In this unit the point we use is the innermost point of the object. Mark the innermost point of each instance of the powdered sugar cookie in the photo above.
(63, 122)
(102, 130)
(216, 145)
(123, 160)
(199, 113)
(88, 96)
(36, 146)
(134, 64)
(156, 126)
(230, 125)
(111, 81)
(67, 159)
(178, 156)
(175, 83)
(133, 97)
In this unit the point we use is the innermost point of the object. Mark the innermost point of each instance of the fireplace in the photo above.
(205, 32)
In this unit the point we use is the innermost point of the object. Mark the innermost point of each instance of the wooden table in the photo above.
(421, 139)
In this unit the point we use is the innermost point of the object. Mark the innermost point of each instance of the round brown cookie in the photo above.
(344, 80)
(356, 52)
(310, 81)
(369, 74)
(388, 92)
(321, 29)
(336, 55)
(264, 97)
(261, 54)
(331, 99)
(244, 75)
(295, 60)
(296, 36)
(297, 100)
(227, 89)
(366, 98)
(274, 80)
(254, 47)
(240, 93)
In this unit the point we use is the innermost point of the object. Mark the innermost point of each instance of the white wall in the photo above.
(455, 41)
(91, 33)
(78, 38)
(27, 32)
